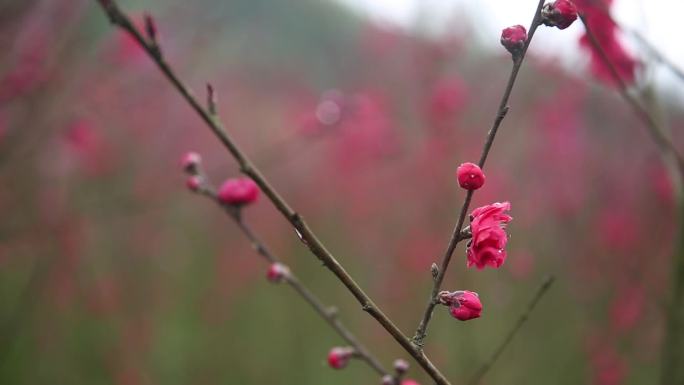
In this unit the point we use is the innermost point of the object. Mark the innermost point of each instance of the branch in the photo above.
(653, 127)
(329, 314)
(543, 288)
(456, 236)
(306, 235)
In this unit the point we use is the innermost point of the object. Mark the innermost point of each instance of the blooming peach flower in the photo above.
(487, 246)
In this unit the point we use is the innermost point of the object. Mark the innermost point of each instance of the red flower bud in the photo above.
(338, 357)
(560, 13)
(470, 176)
(190, 161)
(277, 272)
(463, 305)
(401, 366)
(514, 38)
(193, 182)
(238, 191)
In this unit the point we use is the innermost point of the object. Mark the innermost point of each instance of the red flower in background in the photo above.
(605, 30)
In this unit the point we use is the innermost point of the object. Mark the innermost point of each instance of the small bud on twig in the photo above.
(401, 366)
(434, 270)
(150, 27)
(151, 32)
(338, 357)
(211, 99)
(277, 272)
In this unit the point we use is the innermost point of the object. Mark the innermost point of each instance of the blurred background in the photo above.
(111, 272)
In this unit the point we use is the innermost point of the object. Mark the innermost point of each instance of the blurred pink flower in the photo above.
(238, 191)
(447, 98)
(608, 367)
(627, 308)
(90, 147)
(605, 30)
(487, 246)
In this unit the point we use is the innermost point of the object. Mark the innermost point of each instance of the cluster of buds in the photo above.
(234, 192)
(400, 369)
(191, 163)
(559, 13)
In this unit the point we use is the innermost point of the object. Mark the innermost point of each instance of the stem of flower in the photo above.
(421, 331)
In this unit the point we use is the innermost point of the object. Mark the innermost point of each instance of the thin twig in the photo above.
(543, 288)
(653, 51)
(653, 127)
(329, 314)
(421, 331)
(305, 234)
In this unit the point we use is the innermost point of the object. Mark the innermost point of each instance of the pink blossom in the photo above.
(487, 246)
(238, 191)
(470, 176)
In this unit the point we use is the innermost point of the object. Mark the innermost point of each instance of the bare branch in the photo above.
(543, 288)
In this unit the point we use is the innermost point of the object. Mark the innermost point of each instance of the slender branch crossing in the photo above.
(543, 289)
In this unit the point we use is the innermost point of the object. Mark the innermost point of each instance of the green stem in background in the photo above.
(673, 340)
(543, 289)
(421, 331)
(304, 232)
(329, 314)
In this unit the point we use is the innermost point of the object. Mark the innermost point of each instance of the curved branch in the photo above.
(306, 235)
